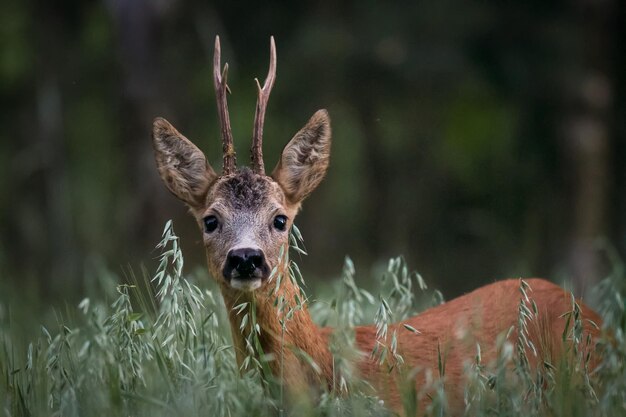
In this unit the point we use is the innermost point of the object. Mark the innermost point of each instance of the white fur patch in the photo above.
(246, 241)
(248, 284)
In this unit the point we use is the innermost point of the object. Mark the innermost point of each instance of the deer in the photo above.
(245, 217)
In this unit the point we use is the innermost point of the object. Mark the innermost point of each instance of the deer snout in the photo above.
(245, 263)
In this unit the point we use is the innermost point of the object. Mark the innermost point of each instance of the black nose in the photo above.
(245, 261)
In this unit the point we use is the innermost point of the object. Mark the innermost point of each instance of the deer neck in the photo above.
(288, 334)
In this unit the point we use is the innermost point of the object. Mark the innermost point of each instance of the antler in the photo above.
(221, 88)
(259, 115)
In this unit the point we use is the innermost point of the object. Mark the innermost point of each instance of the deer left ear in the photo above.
(182, 166)
(304, 161)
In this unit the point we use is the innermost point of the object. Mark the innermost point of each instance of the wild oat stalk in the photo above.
(612, 371)
(125, 330)
(396, 303)
(348, 310)
(180, 303)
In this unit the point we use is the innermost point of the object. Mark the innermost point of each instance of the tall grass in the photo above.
(163, 347)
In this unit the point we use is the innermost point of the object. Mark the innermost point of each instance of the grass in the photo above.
(162, 347)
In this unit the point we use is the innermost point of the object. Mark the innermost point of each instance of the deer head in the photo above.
(244, 215)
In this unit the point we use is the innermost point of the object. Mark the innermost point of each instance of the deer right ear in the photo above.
(182, 166)
(304, 160)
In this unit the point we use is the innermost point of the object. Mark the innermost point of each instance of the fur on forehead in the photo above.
(246, 190)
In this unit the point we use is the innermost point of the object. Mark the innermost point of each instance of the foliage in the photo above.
(171, 355)
(461, 130)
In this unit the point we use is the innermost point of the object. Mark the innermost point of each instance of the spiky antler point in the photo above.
(221, 91)
(259, 115)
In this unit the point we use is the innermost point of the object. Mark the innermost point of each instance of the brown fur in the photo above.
(246, 204)
(301, 335)
(479, 317)
(245, 190)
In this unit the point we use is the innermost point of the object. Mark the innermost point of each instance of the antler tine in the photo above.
(221, 89)
(259, 115)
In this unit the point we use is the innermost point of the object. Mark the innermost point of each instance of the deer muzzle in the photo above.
(245, 268)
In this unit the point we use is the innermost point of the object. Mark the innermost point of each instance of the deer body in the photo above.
(480, 317)
(452, 329)
(245, 216)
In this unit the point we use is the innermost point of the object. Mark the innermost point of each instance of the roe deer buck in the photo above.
(246, 216)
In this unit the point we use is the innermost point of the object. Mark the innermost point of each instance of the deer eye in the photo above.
(280, 222)
(210, 223)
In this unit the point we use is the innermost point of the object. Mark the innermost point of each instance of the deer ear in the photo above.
(182, 166)
(304, 160)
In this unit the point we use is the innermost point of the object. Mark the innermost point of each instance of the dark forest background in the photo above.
(479, 139)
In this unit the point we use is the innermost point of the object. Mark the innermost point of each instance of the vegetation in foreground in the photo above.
(168, 353)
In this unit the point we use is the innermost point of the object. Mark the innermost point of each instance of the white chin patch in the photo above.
(248, 284)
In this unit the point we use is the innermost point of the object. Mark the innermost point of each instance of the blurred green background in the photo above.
(478, 139)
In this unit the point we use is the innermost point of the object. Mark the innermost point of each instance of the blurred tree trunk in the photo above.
(588, 141)
(619, 232)
(375, 182)
(137, 25)
(55, 251)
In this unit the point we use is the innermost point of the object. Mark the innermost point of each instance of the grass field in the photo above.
(161, 347)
